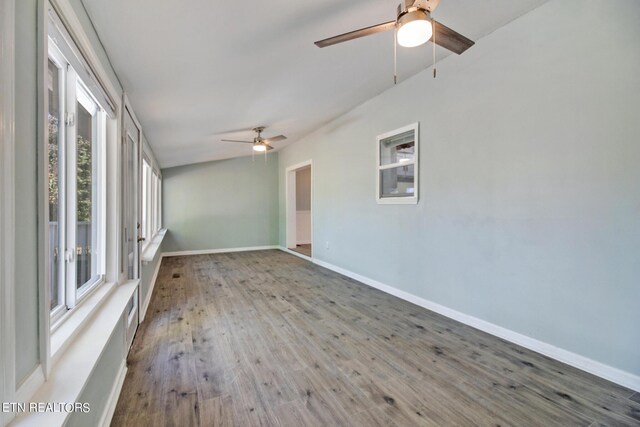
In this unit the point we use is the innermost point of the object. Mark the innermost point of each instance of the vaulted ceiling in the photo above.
(202, 70)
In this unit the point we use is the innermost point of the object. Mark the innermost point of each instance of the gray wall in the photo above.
(222, 204)
(303, 189)
(529, 182)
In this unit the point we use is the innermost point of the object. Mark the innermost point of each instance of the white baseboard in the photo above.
(30, 385)
(599, 369)
(152, 285)
(107, 415)
(220, 251)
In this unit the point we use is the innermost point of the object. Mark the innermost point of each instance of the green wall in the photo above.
(26, 207)
(222, 204)
(529, 182)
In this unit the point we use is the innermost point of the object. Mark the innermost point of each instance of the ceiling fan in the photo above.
(260, 143)
(414, 27)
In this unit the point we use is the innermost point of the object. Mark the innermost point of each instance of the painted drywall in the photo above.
(529, 199)
(221, 204)
(100, 384)
(26, 206)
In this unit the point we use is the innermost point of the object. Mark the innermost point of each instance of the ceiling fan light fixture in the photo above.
(414, 28)
(259, 147)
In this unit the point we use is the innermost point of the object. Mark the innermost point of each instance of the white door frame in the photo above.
(290, 202)
(7, 210)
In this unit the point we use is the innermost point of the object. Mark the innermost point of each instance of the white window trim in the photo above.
(73, 90)
(66, 336)
(71, 324)
(127, 111)
(73, 24)
(7, 214)
(146, 198)
(155, 231)
(149, 253)
(408, 200)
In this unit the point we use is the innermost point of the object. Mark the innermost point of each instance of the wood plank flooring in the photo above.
(268, 339)
(303, 249)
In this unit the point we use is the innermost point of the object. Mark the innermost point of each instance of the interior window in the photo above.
(398, 166)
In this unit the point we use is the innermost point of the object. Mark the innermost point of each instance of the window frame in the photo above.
(74, 91)
(151, 201)
(54, 55)
(58, 19)
(402, 200)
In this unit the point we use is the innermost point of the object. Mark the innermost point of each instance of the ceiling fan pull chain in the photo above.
(433, 23)
(395, 56)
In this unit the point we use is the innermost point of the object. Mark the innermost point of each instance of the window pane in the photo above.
(154, 195)
(397, 182)
(86, 227)
(54, 182)
(145, 200)
(398, 148)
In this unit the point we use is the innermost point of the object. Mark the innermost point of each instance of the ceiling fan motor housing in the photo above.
(413, 14)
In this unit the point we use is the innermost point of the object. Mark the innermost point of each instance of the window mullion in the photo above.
(152, 203)
(397, 164)
(62, 185)
(70, 190)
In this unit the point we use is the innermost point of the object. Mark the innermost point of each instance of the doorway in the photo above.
(299, 208)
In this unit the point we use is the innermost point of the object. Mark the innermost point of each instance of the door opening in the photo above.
(299, 208)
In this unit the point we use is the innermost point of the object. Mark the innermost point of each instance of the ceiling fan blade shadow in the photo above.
(274, 139)
(363, 32)
(449, 39)
(235, 140)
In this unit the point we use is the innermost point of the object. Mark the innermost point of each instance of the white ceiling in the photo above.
(202, 70)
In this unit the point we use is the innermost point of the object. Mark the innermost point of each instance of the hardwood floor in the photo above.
(266, 338)
(303, 249)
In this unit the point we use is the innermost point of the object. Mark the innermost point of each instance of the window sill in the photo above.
(398, 201)
(152, 248)
(76, 361)
(70, 324)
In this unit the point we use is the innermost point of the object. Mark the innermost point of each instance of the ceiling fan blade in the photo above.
(449, 39)
(356, 34)
(268, 147)
(235, 140)
(274, 139)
